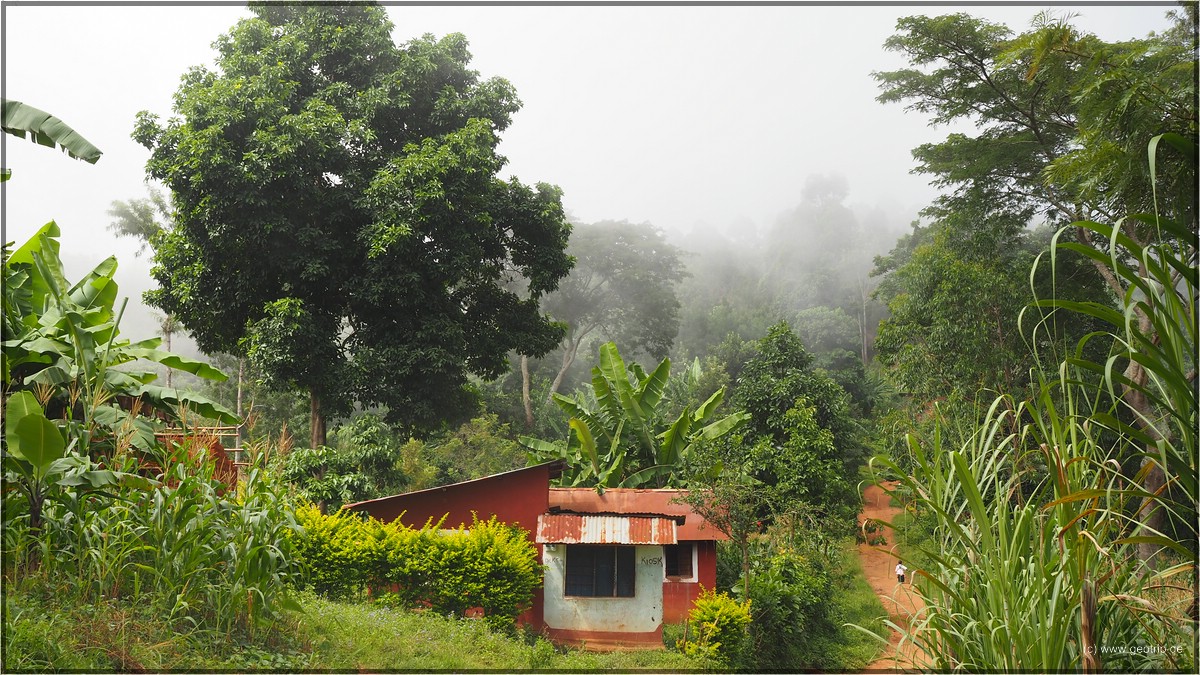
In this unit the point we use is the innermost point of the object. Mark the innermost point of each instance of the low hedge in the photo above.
(490, 565)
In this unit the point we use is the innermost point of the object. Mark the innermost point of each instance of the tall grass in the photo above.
(1033, 565)
(362, 637)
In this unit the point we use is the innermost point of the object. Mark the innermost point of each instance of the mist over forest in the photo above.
(920, 308)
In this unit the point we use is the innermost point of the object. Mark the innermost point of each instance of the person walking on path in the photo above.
(900, 570)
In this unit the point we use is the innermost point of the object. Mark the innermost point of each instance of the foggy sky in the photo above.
(677, 116)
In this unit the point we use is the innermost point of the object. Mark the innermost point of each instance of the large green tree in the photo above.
(781, 372)
(799, 438)
(956, 290)
(1063, 120)
(340, 218)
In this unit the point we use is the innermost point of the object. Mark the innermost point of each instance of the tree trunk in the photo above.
(744, 544)
(525, 397)
(567, 359)
(316, 420)
(1151, 515)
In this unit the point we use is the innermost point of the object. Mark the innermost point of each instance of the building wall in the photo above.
(678, 596)
(519, 497)
(516, 497)
(600, 618)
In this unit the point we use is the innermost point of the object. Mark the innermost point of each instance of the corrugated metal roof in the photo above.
(636, 502)
(570, 528)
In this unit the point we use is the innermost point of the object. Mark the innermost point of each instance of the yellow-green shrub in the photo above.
(717, 629)
(491, 565)
(338, 554)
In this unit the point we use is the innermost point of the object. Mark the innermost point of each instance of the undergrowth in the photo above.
(351, 636)
(46, 629)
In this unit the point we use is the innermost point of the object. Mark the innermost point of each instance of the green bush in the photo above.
(792, 596)
(364, 462)
(729, 565)
(336, 554)
(717, 630)
(491, 565)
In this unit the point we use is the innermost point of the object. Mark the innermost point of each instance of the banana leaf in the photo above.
(162, 397)
(20, 119)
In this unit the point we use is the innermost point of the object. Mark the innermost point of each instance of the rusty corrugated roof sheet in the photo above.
(636, 501)
(570, 528)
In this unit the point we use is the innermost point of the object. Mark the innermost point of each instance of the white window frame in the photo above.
(695, 564)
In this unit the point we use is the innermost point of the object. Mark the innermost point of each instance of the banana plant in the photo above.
(38, 458)
(65, 339)
(20, 119)
(619, 437)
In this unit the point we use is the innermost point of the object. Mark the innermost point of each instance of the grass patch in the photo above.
(37, 640)
(44, 630)
(856, 604)
(350, 636)
(47, 629)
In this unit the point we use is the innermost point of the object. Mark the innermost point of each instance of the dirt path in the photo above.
(879, 565)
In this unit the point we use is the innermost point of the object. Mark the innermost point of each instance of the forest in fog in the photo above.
(345, 293)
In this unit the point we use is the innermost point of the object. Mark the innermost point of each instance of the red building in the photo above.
(618, 565)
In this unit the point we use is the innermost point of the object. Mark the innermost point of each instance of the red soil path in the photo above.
(879, 565)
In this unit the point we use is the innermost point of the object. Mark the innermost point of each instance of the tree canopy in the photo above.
(798, 442)
(340, 219)
(1066, 123)
(1064, 118)
(1063, 121)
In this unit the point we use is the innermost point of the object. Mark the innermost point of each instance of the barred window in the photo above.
(600, 571)
(678, 560)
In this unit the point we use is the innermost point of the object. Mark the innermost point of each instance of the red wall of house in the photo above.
(517, 497)
(678, 596)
